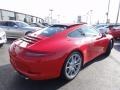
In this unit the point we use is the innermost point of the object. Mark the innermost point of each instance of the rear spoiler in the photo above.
(67, 25)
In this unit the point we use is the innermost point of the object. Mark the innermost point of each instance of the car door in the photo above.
(98, 42)
(14, 30)
(9, 30)
(23, 28)
(4, 26)
(84, 43)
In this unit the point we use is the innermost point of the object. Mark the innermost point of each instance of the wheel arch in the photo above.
(75, 50)
(81, 53)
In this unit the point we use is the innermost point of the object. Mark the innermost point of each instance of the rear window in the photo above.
(49, 31)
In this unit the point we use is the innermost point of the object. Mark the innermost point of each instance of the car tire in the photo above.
(108, 50)
(1, 45)
(72, 66)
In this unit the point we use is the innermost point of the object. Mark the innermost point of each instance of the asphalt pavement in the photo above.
(103, 73)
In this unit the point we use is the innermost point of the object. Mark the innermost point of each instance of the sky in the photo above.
(65, 10)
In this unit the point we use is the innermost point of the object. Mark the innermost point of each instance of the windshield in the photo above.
(22, 24)
(49, 31)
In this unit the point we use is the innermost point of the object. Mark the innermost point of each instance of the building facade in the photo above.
(11, 15)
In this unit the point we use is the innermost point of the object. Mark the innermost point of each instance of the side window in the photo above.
(11, 24)
(76, 34)
(90, 31)
(3, 23)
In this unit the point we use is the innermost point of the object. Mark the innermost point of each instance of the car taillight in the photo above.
(34, 54)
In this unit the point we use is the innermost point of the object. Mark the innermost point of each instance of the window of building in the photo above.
(7, 15)
(34, 19)
(28, 18)
(20, 17)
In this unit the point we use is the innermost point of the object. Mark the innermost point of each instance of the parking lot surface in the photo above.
(103, 73)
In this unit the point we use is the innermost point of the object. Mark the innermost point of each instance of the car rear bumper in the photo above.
(28, 69)
(37, 69)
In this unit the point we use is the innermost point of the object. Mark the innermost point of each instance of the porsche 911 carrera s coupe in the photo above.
(58, 51)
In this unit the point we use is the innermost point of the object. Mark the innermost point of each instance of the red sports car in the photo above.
(58, 50)
(114, 30)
